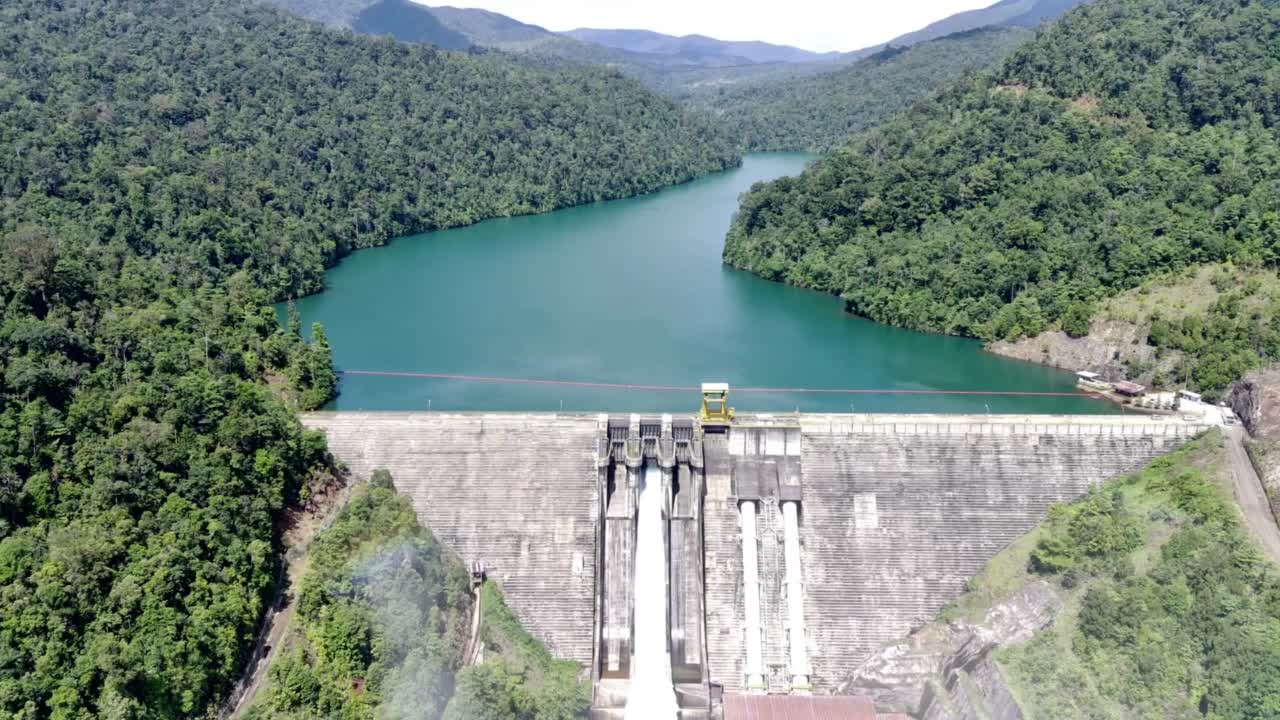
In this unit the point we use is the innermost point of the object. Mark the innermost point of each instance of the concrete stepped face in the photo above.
(773, 610)
(726, 648)
(517, 492)
(761, 459)
(896, 522)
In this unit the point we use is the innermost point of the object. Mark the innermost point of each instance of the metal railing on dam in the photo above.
(888, 515)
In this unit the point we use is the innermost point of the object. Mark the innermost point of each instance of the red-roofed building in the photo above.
(1128, 389)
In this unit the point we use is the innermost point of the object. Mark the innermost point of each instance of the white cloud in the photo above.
(811, 24)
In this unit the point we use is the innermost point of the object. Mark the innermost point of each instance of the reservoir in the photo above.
(633, 292)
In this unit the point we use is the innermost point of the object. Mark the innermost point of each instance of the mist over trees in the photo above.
(386, 610)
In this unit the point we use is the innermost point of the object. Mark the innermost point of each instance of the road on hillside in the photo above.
(1250, 496)
(271, 635)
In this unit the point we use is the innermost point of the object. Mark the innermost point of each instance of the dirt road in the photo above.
(1250, 496)
(303, 526)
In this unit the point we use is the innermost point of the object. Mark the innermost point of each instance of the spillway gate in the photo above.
(756, 597)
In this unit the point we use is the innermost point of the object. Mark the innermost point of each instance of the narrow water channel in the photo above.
(633, 292)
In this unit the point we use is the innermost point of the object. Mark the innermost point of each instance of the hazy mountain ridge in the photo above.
(408, 21)
(731, 52)
(693, 66)
(454, 28)
(491, 29)
(818, 112)
(1018, 13)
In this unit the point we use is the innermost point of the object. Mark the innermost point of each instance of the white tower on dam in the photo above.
(794, 545)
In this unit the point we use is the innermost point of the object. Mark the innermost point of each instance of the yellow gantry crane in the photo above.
(715, 405)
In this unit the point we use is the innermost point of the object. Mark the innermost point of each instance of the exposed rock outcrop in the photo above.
(1113, 348)
(945, 671)
(1255, 399)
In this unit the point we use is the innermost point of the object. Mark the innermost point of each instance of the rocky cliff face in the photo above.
(945, 671)
(1255, 399)
(1112, 349)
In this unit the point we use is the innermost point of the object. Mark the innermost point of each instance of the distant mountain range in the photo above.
(456, 28)
(490, 29)
(410, 22)
(725, 52)
(680, 67)
(819, 112)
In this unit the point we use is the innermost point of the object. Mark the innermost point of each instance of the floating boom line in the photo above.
(683, 388)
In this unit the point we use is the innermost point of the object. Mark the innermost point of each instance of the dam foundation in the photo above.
(792, 546)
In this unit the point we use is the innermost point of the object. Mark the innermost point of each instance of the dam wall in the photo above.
(896, 514)
(861, 527)
(899, 513)
(517, 492)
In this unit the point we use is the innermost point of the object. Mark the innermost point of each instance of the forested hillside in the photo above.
(1133, 137)
(819, 112)
(170, 168)
(356, 139)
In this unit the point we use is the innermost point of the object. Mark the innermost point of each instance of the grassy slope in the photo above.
(1169, 608)
(1191, 292)
(1219, 321)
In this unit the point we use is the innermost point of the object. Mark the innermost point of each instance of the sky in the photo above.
(820, 25)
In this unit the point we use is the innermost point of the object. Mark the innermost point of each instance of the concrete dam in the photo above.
(795, 545)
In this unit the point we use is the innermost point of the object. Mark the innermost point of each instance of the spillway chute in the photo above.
(652, 644)
(652, 695)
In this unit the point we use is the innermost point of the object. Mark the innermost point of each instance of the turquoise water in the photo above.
(633, 292)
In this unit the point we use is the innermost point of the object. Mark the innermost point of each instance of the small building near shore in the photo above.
(1128, 389)
(1092, 381)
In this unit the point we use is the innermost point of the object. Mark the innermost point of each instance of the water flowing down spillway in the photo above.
(652, 696)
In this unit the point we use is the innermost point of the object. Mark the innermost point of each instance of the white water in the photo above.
(652, 697)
